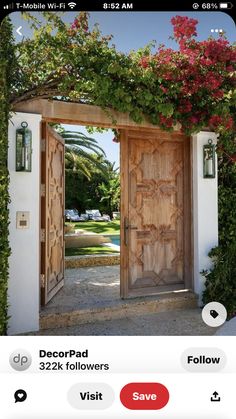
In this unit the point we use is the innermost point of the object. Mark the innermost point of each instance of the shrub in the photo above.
(221, 279)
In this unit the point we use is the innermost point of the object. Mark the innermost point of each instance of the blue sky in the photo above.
(133, 30)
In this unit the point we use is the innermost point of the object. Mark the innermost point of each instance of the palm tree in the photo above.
(77, 164)
(110, 188)
(77, 158)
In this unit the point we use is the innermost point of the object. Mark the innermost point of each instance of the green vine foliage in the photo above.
(221, 279)
(193, 86)
(7, 71)
(227, 190)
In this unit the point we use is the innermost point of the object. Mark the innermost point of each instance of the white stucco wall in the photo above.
(205, 211)
(25, 246)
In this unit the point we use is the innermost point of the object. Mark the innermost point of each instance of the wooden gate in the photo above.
(155, 210)
(52, 213)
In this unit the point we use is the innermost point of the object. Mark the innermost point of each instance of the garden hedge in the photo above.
(7, 69)
(221, 279)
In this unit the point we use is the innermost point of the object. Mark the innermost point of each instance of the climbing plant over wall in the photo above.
(194, 85)
(7, 68)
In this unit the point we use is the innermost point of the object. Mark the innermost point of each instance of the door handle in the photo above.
(126, 230)
(128, 227)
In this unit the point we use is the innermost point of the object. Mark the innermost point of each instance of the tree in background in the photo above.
(78, 147)
(110, 189)
(92, 182)
(84, 193)
(81, 191)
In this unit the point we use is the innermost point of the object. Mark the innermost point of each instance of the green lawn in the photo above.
(96, 250)
(101, 227)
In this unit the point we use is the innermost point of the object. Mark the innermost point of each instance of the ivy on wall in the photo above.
(7, 74)
(226, 151)
(221, 279)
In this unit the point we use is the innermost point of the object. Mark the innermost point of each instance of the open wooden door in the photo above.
(156, 212)
(52, 213)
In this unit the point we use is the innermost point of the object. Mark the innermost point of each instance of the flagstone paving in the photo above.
(98, 287)
(173, 322)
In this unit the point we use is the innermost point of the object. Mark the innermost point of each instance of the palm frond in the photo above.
(78, 164)
(83, 153)
(75, 137)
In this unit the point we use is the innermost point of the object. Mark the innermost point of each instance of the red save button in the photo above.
(144, 396)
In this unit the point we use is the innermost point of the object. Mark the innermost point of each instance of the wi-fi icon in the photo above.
(72, 5)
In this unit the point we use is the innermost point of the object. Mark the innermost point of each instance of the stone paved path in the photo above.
(94, 286)
(175, 323)
(85, 288)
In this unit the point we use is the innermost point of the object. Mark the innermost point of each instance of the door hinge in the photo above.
(43, 145)
(42, 280)
(42, 235)
(43, 190)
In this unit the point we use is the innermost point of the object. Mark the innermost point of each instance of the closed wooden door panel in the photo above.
(157, 215)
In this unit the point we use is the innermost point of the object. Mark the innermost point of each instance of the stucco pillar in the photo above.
(205, 211)
(24, 266)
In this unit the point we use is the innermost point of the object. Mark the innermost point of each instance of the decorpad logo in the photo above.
(20, 360)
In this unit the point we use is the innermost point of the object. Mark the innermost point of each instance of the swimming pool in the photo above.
(115, 238)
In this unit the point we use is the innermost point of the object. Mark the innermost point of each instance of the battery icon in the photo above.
(225, 5)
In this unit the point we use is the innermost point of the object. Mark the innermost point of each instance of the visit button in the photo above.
(144, 396)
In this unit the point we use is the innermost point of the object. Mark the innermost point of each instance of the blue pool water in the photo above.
(115, 239)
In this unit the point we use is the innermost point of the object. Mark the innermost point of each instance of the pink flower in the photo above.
(167, 122)
(144, 62)
(164, 89)
(184, 27)
(193, 119)
(229, 123)
(215, 121)
(75, 24)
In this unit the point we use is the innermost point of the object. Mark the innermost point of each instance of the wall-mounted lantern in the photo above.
(209, 158)
(23, 148)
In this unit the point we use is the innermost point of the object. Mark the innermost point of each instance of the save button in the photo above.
(144, 396)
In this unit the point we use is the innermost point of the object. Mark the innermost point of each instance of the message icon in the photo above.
(20, 396)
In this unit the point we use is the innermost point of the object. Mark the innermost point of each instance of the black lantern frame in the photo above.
(209, 160)
(23, 148)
